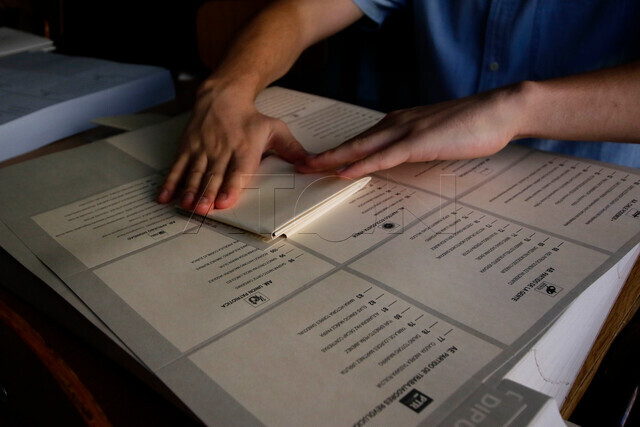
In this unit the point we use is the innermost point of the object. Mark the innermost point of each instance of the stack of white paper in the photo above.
(14, 41)
(46, 96)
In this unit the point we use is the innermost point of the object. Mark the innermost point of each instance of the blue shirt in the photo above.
(470, 46)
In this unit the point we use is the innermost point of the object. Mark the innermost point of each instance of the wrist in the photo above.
(523, 102)
(237, 89)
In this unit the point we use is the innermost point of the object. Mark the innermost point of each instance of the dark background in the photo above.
(157, 33)
(359, 65)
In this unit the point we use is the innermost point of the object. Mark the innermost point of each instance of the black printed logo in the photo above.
(549, 289)
(256, 299)
(389, 226)
(416, 400)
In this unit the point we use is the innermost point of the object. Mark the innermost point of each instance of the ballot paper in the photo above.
(408, 303)
(279, 202)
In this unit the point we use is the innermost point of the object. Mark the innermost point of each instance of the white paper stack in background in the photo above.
(48, 96)
(14, 41)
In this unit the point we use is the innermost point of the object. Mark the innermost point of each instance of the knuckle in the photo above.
(167, 186)
(195, 170)
(192, 138)
(198, 166)
(210, 186)
(172, 178)
(358, 143)
(212, 177)
(377, 159)
(192, 186)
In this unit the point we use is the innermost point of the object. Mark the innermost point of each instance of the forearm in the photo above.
(226, 135)
(267, 48)
(597, 106)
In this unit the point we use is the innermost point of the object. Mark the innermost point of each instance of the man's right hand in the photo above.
(220, 149)
(226, 136)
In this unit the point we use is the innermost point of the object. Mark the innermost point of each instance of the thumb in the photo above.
(286, 145)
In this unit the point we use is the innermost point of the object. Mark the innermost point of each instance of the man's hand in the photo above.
(220, 149)
(226, 135)
(600, 105)
(476, 126)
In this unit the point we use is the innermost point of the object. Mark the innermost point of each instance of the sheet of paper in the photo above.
(353, 338)
(400, 306)
(379, 211)
(155, 146)
(585, 201)
(495, 276)
(215, 283)
(453, 178)
(40, 294)
(113, 223)
(318, 123)
(553, 363)
(13, 41)
(32, 81)
(130, 121)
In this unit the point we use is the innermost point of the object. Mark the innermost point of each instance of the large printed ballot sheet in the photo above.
(404, 305)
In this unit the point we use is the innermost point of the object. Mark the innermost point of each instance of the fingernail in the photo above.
(222, 197)
(163, 194)
(204, 206)
(187, 200)
(204, 201)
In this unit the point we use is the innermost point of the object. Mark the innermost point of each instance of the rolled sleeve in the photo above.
(378, 10)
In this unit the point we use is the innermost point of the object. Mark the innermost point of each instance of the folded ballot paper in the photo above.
(279, 202)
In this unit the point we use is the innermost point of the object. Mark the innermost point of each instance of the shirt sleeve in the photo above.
(378, 10)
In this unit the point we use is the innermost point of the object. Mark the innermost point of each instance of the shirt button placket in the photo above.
(495, 60)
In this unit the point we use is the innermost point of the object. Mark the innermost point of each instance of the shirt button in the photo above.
(494, 66)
